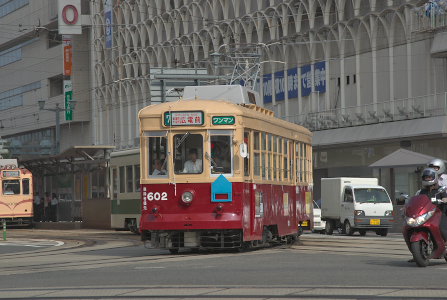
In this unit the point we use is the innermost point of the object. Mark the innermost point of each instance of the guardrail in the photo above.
(396, 110)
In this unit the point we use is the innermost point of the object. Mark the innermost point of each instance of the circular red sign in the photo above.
(74, 20)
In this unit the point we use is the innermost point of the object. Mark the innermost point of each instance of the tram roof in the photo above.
(219, 107)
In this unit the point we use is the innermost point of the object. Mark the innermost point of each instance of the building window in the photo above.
(347, 80)
(9, 6)
(354, 79)
(56, 85)
(54, 39)
(14, 97)
(14, 53)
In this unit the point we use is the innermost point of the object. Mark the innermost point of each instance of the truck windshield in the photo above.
(365, 195)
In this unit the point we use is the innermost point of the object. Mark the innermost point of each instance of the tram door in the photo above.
(249, 196)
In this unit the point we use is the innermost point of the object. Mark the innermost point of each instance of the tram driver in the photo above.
(158, 168)
(194, 164)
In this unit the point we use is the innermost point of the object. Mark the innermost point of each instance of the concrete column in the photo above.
(391, 66)
(358, 79)
(409, 70)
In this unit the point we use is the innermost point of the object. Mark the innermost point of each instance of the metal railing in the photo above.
(390, 111)
(423, 20)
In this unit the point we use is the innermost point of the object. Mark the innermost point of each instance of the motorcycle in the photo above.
(422, 231)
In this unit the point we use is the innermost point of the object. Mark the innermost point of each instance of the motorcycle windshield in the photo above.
(418, 205)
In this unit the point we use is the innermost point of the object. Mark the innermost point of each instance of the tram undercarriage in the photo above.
(210, 240)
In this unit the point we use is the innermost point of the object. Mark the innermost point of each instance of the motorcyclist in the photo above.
(431, 188)
(439, 166)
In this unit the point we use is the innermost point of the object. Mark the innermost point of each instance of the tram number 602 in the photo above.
(157, 196)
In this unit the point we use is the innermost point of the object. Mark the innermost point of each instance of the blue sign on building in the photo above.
(109, 22)
(267, 88)
(320, 77)
(292, 83)
(279, 86)
(306, 80)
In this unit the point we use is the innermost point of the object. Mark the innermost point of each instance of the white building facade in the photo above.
(366, 76)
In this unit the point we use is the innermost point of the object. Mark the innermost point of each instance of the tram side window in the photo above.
(246, 159)
(122, 180)
(11, 187)
(137, 177)
(298, 165)
(286, 160)
(308, 158)
(158, 157)
(256, 154)
(25, 186)
(115, 182)
(188, 153)
(129, 178)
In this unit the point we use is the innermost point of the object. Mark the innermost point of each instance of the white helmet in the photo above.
(438, 165)
(429, 177)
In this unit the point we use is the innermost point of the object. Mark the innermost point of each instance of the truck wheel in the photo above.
(362, 232)
(329, 228)
(173, 250)
(348, 229)
(382, 232)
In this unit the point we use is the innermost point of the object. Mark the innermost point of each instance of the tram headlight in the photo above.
(187, 197)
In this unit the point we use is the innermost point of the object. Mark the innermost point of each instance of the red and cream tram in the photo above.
(222, 174)
(16, 193)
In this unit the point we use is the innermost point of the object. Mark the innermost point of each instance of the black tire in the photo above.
(173, 250)
(362, 232)
(329, 228)
(420, 254)
(347, 228)
(382, 232)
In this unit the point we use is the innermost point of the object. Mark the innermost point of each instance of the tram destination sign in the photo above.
(11, 173)
(183, 118)
(223, 120)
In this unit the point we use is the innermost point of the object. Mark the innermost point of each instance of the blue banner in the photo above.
(306, 80)
(267, 88)
(292, 83)
(279, 86)
(320, 77)
(109, 22)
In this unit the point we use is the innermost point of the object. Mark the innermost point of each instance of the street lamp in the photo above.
(57, 110)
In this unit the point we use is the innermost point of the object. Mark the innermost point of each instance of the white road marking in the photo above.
(35, 243)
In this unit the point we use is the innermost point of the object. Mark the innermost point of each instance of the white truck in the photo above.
(355, 204)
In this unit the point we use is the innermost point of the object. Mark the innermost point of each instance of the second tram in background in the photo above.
(222, 174)
(16, 193)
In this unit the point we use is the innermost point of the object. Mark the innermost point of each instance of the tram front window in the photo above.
(188, 153)
(158, 156)
(11, 187)
(221, 154)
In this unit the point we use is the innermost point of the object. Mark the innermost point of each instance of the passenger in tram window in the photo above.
(158, 168)
(194, 164)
